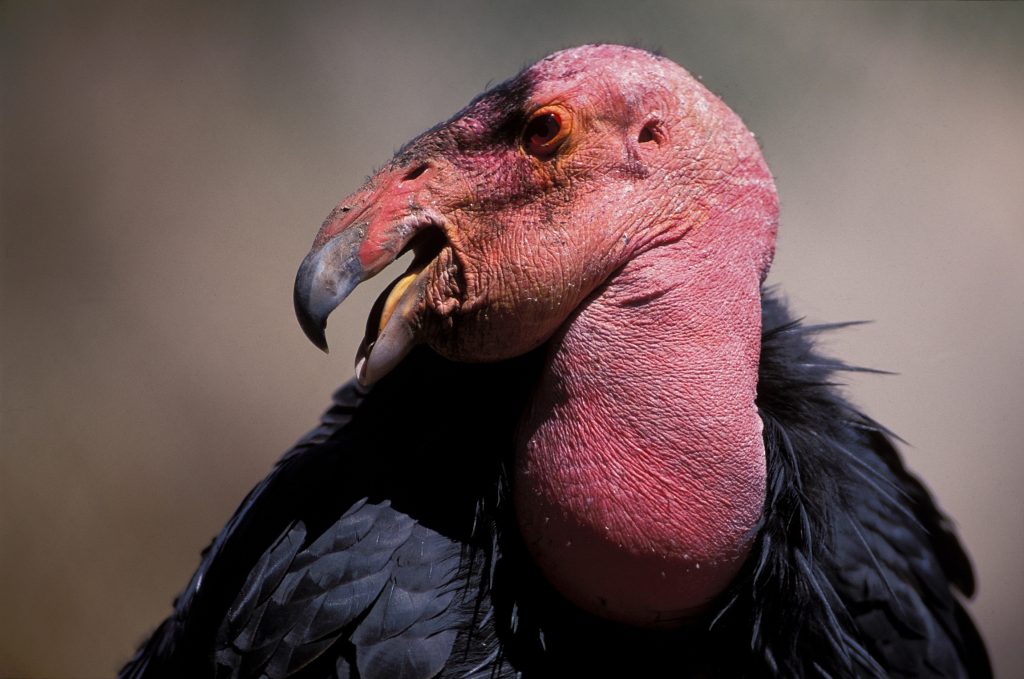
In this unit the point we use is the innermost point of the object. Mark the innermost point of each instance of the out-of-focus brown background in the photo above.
(165, 169)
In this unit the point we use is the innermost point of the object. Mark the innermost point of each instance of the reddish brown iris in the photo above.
(546, 131)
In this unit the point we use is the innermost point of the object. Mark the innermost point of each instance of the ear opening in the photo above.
(651, 132)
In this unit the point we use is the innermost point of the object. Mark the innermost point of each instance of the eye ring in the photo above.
(546, 130)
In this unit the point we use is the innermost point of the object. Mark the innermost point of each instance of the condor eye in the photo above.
(546, 131)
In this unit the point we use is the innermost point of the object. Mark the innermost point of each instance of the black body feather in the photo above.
(383, 545)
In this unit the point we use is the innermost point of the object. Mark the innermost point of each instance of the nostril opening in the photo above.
(415, 172)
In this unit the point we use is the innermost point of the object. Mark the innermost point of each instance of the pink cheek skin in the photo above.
(514, 273)
(500, 318)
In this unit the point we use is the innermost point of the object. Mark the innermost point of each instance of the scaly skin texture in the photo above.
(638, 246)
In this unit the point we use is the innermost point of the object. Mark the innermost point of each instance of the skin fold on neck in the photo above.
(640, 471)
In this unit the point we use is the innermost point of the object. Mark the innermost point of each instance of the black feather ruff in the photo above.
(853, 572)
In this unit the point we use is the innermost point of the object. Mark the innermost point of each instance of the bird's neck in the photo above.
(640, 474)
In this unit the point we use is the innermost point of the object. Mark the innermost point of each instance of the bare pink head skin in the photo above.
(631, 235)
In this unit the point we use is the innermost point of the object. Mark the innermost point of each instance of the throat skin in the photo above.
(640, 467)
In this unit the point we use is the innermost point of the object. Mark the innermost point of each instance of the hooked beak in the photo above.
(354, 244)
(325, 278)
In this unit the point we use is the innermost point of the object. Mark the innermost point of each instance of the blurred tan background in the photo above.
(165, 169)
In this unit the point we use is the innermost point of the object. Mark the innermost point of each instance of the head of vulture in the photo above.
(605, 204)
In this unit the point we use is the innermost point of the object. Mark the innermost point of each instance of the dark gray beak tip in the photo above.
(313, 324)
(313, 327)
(325, 278)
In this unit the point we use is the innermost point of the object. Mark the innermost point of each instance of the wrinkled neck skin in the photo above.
(640, 472)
